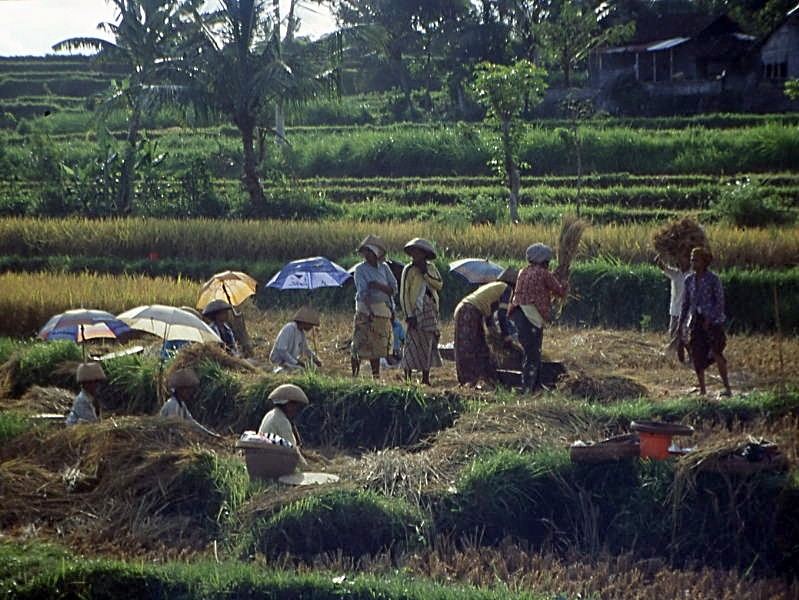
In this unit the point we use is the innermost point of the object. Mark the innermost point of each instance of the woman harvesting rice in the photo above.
(703, 308)
(375, 286)
(419, 287)
(531, 306)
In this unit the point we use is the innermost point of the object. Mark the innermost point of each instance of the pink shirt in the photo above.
(536, 285)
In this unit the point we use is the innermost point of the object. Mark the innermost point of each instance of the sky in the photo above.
(31, 27)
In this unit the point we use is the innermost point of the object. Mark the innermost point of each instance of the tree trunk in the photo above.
(513, 178)
(250, 177)
(128, 167)
(280, 123)
(566, 65)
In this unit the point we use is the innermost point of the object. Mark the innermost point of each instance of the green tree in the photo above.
(504, 91)
(145, 43)
(792, 89)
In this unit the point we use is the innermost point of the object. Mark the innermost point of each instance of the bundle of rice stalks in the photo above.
(46, 362)
(194, 354)
(571, 233)
(601, 389)
(45, 400)
(399, 473)
(675, 241)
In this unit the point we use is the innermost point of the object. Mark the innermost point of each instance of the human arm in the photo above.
(433, 278)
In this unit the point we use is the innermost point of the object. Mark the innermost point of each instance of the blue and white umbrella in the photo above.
(81, 325)
(476, 270)
(309, 274)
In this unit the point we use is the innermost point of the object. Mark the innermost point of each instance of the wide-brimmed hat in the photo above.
(183, 378)
(509, 275)
(92, 371)
(192, 310)
(423, 245)
(215, 306)
(375, 244)
(538, 253)
(288, 392)
(307, 314)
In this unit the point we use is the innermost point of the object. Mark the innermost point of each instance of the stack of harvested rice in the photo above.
(571, 233)
(194, 354)
(675, 240)
(609, 388)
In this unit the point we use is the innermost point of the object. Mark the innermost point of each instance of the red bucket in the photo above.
(654, 445)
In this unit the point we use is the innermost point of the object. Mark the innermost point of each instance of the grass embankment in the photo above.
(39, 571)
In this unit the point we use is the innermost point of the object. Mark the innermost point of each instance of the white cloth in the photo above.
(532, 314)
(174, 408)
(277, 423)
(372, 301)
(82, 409)
(677, 278)
(290, 345)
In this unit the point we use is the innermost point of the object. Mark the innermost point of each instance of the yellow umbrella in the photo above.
(234, 287)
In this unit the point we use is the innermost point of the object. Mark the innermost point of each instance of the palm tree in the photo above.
(146, 43)
(237, 67)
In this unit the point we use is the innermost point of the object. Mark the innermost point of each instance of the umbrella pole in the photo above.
(83, 344)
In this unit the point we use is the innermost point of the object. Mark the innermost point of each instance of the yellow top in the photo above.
(486, 295)
(413, 286)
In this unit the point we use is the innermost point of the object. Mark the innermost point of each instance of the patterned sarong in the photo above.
(421, 342)
(472, 355)
(704, 342)
(371, 339)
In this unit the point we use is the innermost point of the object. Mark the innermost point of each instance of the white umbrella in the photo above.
(169, 323)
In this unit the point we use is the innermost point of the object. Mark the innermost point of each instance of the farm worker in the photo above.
(530, 308)
(676, 275)
(703, 311)
(419, 287)
(472, 355)
(218, 313)
(288, 400)
(183, 384)
(86, 408)
(291, 351)
(375, 287)
(398, 338)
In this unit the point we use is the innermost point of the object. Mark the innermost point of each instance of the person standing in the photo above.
(291, 351)
(375, 287)
(419, 287)
(531, 306)
(703, 312)
(472, 354)
(85, 407)
(676, 275)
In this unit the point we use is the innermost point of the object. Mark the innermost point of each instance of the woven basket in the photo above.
(737, 465)
(268, 462)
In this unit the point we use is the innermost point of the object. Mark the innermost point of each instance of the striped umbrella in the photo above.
(82, 324)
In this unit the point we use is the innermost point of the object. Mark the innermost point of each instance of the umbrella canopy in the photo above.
(234, 287)
(309, 274)
(81, 324)
(476, 270)
(169, 323)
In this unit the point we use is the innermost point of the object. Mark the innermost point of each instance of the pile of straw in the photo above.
(194, 354)
(675, 240)
(46, 400)
(571, 233)
(601, 389)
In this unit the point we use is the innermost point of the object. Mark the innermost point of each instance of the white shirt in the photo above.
(677, 278)
(82, 409)
(277, 423)
(176, 409)
(290, 345)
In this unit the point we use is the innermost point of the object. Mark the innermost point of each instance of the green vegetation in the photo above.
(355, 523)
(13, 424)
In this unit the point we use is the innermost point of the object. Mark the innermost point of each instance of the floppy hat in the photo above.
(215, 306)
(375, 244)
(423, 245)
(539, 253)
(307, 314)
(509, 275)
(183, 378)
(288, 392)
(92, 371)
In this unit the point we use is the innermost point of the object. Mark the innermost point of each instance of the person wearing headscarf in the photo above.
(287, 400)
(85, 407)
(218, 313)
(291, 351)
(183, 384)
(473, 313)
(531, 306)
(419, 287)
(375, 287)
(676, 274)
(703, 314)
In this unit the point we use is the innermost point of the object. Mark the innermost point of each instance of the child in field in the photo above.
(677, 275)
